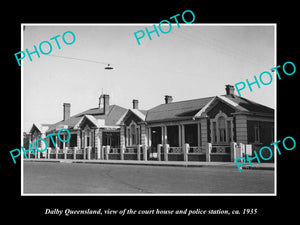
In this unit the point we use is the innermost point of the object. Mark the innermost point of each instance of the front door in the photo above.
(155, 140)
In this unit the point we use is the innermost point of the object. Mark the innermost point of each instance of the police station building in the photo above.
(217, 128)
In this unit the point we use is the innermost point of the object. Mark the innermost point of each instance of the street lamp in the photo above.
(108, 67)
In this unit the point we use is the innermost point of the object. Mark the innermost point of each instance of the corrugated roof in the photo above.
(176, 110)
(250, 106)
(166, 112)
(188, 109)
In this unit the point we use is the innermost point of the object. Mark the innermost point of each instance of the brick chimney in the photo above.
(168, 99)
(104, 103)
(135, 104)
(229, 89)
(67, 111)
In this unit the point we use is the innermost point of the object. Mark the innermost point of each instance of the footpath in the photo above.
(255, 166)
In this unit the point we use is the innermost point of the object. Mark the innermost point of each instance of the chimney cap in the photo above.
(135, 104)
(229, 89)
(168, 99)
(66, 111)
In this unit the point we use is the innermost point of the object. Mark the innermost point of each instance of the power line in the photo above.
(85, 60)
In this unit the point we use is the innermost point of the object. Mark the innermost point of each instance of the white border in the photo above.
(149, 24)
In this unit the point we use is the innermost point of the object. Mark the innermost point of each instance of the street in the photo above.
(81, 178)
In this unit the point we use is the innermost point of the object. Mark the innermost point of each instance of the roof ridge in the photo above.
(181, 102)
(188, 100)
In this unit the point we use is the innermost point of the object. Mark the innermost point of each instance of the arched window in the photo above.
(134, 134)
(222, 129)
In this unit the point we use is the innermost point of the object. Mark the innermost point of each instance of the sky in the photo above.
(190, 62)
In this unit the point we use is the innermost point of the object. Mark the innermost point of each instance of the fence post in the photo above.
(84, 153)
(166, 151)
(158, 152)
(65, 152)
(89, 153)
(139, 152)
(74, 153)
(122, 149)
(56, 152)
(186, 148)
(102, 152)
(144, 152)
(243, 150)
(232, 151)
(107, 151)
(208, 151)
(48, 152)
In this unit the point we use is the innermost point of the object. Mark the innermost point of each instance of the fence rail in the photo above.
(175, 150)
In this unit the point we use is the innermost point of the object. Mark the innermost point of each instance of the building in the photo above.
(217, 128)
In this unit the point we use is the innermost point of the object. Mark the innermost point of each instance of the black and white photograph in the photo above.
(149, 112)
(159, 117)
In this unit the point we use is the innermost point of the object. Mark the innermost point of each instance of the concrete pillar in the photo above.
(208, 151)
(84, 153)
(139, 152)
(102, 151)
(98, 142)
(241, 129)
(49, 152)
(204, 133)
(30, 140)
(122, 136)
(182, 135)
(107, 150)
(83, 139)
(144, 140)
(186, 148)
(149, 136)
(57, 147)
(159, 152)
(166, 151)
(89, 152)
(64, 143)
(233, 151)
(74, 153)
(199, 134)
(43, 145)
(78, 139)
(65, 152)
(56, 152)
(165, 135)
(144, 147)
(122, 150)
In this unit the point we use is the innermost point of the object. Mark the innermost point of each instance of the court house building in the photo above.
(216, 128)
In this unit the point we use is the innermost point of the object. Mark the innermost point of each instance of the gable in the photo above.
(131, 117)
(219, 106)
(86, 122)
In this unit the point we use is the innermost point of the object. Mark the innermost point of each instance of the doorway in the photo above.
(156, 139)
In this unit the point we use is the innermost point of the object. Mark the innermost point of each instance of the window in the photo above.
(222, 130)
(51, 142)
(87, 141)
(191, 134)
(173, 136)
(229, 130)
(215, 131)
(133, 134)
(73, 140)
(256, 133)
